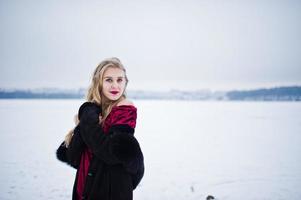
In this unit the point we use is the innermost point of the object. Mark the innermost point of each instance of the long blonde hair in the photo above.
(94, 93)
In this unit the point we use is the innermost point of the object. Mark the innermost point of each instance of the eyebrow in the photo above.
(112, 77)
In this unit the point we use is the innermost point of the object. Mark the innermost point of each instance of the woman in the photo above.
(102, 146)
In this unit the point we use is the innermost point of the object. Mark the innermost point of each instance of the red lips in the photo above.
(114, 92)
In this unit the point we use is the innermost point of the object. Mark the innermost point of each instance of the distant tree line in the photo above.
(292, 93)
(27, 94)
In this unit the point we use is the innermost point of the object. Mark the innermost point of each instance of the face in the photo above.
(114, 83)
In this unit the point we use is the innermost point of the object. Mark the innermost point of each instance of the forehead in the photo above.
(113, 72)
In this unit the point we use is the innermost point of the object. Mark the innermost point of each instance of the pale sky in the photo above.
(164, 44)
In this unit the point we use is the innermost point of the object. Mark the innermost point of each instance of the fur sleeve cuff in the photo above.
(121, 128)
(125, 147)
(61, 153)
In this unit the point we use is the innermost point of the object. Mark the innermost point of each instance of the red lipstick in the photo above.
(114, 92)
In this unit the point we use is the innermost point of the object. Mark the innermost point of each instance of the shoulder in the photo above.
(125, 102)
(124, 113)
(124, 107)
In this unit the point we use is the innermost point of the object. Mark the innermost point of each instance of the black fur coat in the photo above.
(117, 165)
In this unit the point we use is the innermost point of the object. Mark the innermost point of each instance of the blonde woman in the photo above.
(102, 146)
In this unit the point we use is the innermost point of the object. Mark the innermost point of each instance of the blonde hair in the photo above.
(94, 93)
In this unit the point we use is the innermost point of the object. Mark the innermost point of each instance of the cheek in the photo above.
(105, 86)
(122, 85)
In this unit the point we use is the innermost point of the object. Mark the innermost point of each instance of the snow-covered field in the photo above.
(231, 150)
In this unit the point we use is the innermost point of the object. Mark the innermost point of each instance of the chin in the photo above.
(114, 98)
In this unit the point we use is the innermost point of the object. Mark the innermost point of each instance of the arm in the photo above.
(92, 133)
(118, 147)
(75, 148)
(61, 153)
(129, 150)
(126, 148)
(72, 154)
(137, 177)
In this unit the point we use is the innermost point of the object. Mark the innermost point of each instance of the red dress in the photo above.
(124, 114)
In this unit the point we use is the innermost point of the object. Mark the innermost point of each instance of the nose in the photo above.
(114, 84)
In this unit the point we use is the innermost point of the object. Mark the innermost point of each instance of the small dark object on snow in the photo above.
(209, 197)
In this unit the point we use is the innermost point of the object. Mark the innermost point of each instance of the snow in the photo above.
(192, 149)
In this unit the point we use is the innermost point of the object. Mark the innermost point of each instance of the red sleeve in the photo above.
(122, 115)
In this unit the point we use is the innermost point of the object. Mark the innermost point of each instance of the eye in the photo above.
(109, 80)
(119, 80)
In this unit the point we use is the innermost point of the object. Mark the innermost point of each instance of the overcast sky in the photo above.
(164, 44)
